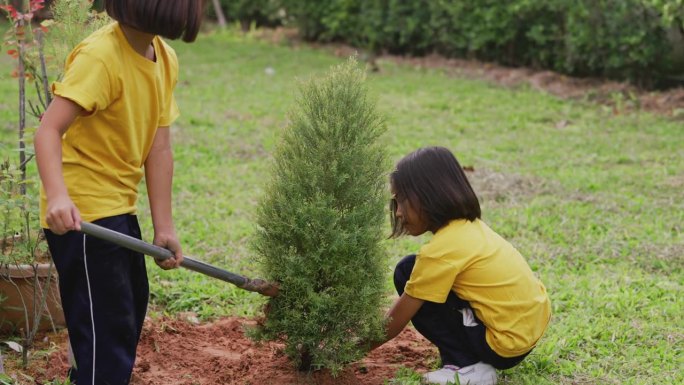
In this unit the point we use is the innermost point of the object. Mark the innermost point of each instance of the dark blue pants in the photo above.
(442, 324)
(104, 293)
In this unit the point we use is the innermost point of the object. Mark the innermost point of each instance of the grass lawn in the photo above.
(596, 203)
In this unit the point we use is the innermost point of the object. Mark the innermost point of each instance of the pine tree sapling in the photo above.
(320, 224)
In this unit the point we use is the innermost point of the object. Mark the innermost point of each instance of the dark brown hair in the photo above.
(432, 181)
(171, 19)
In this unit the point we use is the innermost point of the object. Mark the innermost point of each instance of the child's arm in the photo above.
(159, 178)
(404, 308)
(62, 215)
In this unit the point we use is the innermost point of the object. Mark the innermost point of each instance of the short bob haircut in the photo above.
(432, 181)
(171, 19)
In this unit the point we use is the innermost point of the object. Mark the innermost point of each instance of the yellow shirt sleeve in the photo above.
(86, 82)
(431, 280)
(170, 113)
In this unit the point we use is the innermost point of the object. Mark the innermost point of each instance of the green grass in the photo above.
(596, 205)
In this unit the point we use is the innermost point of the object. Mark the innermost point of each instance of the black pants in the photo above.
(443, 325)
(104, 292)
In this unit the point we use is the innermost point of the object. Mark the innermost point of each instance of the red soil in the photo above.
(175, 352)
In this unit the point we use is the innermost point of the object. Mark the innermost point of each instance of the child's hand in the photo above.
(170, 242)
(62, 215)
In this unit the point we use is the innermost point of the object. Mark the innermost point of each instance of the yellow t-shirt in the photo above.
(482, 268)
(127, 97)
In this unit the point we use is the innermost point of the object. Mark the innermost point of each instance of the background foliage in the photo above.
(251, 13)
(625, 39)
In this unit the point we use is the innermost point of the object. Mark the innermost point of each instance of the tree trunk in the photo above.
(306, 361)
(219, 13)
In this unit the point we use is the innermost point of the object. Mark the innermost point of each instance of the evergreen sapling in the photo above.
(320, 224)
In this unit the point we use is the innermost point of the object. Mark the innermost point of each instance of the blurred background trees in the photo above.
(636, 40)
(641, 41)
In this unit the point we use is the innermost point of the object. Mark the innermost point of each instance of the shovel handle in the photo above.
(256, 285)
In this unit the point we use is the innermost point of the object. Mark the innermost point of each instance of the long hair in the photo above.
(432, 181)
(171, 19)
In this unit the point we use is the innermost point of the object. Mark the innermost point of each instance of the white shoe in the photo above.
(476, 374)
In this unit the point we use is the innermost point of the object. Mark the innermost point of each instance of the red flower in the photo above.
(14, 15)
(37, 4)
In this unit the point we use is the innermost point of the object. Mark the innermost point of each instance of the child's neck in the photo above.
(141, 42)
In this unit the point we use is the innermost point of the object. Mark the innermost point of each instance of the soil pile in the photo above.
(177, 352)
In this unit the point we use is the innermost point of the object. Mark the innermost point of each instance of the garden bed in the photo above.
(174, 351)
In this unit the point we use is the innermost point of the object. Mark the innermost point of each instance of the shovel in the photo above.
(257, 285)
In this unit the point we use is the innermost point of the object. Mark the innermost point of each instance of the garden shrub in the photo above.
(614, 38)
(624, 39)
(405, 26)
(320, 224)
(309, 16)
(261, 13)
(341, 20)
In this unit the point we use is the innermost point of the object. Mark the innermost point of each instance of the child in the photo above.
(468, 291)
(110, 118)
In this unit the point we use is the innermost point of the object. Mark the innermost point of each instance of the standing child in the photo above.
(110, 119)
(468, 291)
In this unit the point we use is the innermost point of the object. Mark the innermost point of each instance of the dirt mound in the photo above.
(176, 352)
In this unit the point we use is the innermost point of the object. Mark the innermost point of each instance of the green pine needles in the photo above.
(320, 224)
